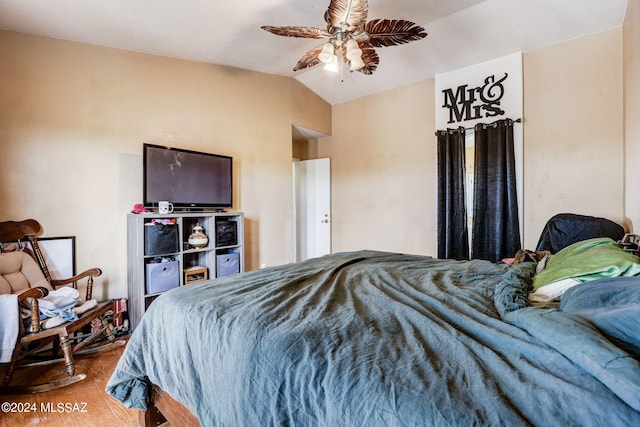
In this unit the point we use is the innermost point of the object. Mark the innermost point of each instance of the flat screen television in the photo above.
(188, 179)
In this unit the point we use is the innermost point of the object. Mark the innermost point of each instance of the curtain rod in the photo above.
(494, 124)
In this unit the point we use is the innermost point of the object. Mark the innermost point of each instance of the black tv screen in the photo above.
(188, 179)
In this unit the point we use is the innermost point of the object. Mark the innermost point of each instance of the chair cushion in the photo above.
(18, 271)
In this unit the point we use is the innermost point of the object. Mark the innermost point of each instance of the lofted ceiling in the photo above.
(461, 33)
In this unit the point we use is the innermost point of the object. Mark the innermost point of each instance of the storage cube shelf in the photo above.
(160, 258)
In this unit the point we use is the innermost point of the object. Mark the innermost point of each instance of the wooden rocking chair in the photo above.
(26, 274)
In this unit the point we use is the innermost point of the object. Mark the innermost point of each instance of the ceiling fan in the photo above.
(351, 36)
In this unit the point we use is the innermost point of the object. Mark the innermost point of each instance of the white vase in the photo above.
(198, 239)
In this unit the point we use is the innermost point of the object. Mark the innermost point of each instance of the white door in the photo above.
(312, 208)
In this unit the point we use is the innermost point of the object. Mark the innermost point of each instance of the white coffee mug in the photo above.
(165, 207)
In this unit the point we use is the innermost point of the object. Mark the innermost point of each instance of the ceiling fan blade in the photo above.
(301, 32)
(392, 32)
(309, 59)
(370, 59)
(346, 14)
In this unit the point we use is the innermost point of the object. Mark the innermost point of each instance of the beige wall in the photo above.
(383, 176)
(73, 119)
(384, 153)
(573, 131)
(632, 114)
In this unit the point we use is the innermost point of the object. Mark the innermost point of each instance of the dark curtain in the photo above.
(453, 235)
(496, 229)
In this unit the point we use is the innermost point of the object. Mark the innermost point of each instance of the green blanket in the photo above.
(588, 260)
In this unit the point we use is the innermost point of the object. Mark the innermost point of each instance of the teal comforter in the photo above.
(376, 339)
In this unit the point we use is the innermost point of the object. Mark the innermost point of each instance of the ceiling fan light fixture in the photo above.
(356, 63)
(331, 66)
(327, 53)
(353, 50)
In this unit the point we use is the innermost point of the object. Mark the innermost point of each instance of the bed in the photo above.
(382, 339)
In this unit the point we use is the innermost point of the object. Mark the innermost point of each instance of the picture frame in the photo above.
(59, 254)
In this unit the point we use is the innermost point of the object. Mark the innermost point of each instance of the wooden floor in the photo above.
(81, 404)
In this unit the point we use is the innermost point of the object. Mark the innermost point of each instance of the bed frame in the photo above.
(163, 408)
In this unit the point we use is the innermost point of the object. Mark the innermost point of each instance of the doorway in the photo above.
(311, 178)
(311, 208)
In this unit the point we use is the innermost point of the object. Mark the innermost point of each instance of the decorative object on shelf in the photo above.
(349, 33)
(139, 208)
(198, 239)
(195, 274)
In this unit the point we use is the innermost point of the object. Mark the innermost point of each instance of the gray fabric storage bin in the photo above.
(227, 264)
(162, 276)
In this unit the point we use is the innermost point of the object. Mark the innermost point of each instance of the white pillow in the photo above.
(553, 291)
